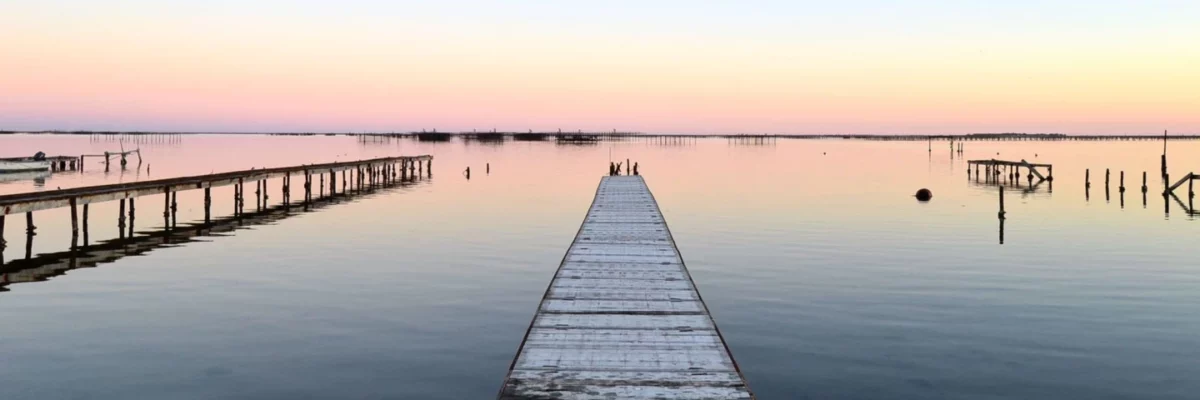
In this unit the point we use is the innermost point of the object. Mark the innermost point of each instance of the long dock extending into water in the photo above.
(622, 318)
(355, 175)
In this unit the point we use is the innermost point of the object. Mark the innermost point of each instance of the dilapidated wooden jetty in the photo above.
(355, 175)
(998, 170)
(622, 318)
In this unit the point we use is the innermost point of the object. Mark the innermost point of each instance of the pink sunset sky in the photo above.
(670, 67)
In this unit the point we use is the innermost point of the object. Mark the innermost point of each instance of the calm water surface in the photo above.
(826, 277)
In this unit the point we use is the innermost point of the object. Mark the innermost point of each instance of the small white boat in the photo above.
(25, 164)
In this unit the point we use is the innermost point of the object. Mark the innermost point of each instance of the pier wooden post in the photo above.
(1164, 161)
(1191, 193)
(237, 198)
(167, 205)
(74, 219)
(1050, 172)
(1107, 173)
(132, 215)
(1122, 188)
(174, 208)
(266, 193)
(344, 182)
(2, 242)
(307, 188)
(1144, 188)
(1001, 215)
(332, 183)
(321, 188)
(121, 219)
(1087, 179)
(207, 205)
(85, 225)
(257, 195)
(30, 229)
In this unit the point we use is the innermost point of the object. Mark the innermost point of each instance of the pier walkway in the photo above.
(622, 317)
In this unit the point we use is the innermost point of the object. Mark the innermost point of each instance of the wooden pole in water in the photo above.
(237, 198)
(2, 242)
(307, 187)
(85, 225)
(132, 215)
(166, 202)
(1106, 178)
(332, 183)
(207, 204)
(121, 219)
(1001, 215)
(1166, 180)
(266, 193)
(1122, 188)
(29, 228)
(1191, 193)
(74, 219)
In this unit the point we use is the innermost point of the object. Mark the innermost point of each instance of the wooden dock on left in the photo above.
(355, 175)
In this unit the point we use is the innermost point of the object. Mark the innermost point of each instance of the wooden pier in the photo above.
(354, 175)
(994, 170)
(622, 318)
(45, 266)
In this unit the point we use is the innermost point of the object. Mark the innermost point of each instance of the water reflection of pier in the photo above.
(49, 265)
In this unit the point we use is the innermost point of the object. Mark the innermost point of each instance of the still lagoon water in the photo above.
(826, 277)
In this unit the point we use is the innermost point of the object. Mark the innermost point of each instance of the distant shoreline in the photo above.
(579, 135)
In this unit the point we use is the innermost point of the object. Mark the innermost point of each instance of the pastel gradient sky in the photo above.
(653, 66)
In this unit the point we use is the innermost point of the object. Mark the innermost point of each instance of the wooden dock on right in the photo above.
(622, 318)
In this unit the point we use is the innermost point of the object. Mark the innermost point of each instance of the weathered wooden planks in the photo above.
(622, 317)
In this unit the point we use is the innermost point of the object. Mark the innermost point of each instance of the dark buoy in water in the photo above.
(924, 195)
